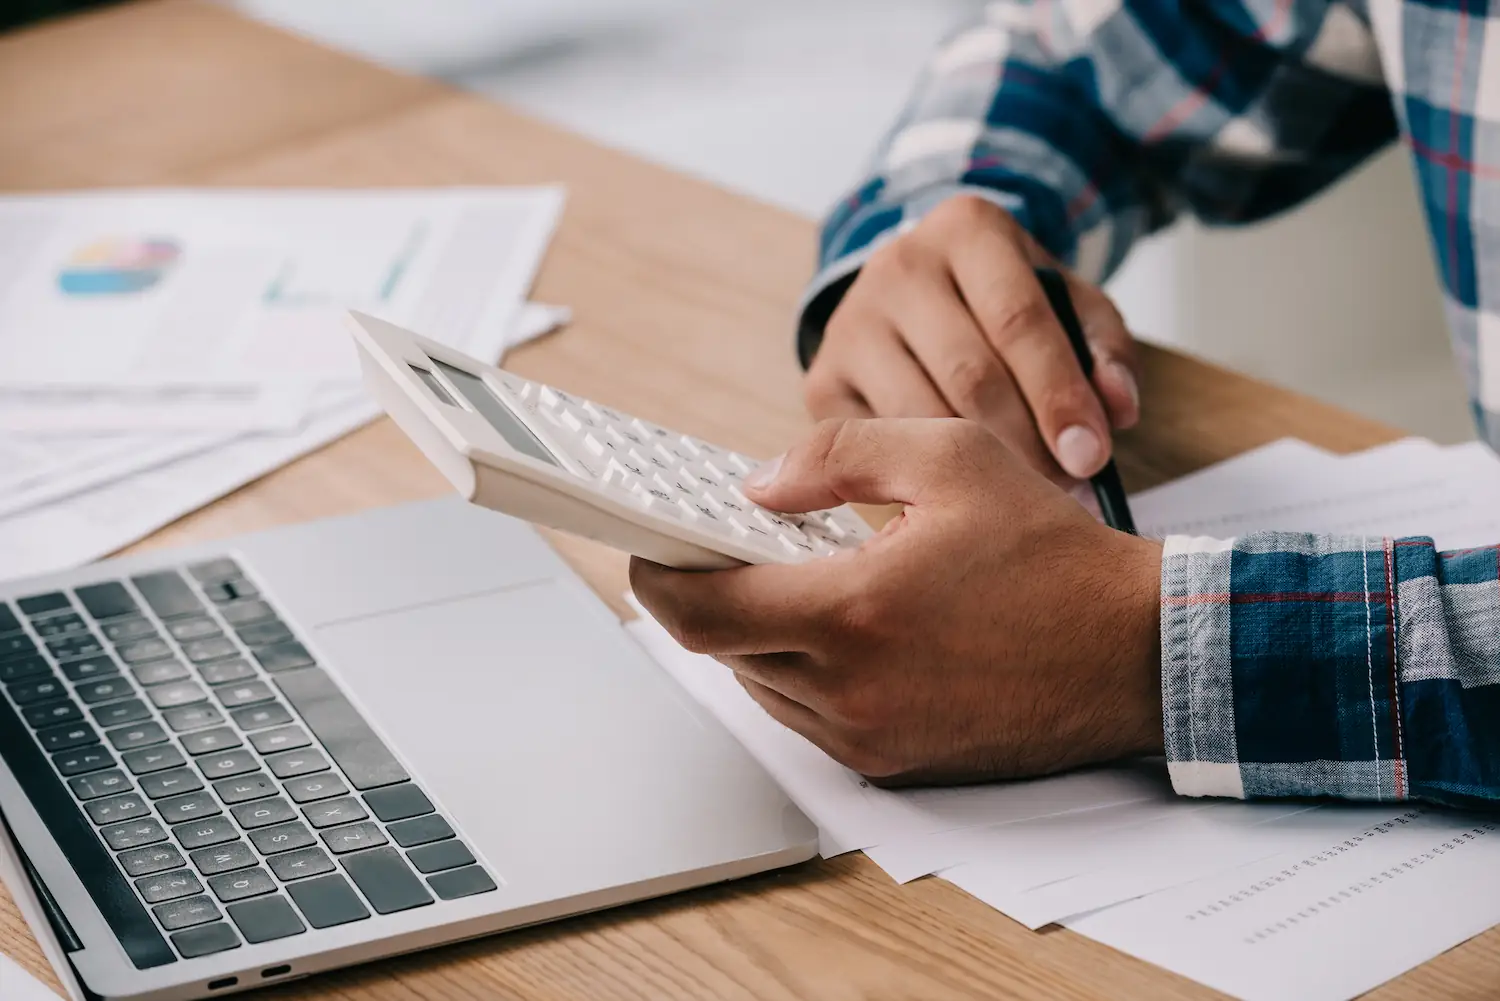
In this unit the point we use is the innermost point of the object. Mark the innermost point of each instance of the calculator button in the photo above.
(794, 547)
(657, 501)
(747, 529)
(617, 476)
(549, 397)
(572, 421)
(597, 446)
(690, 446)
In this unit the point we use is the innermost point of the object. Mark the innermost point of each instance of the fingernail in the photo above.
(1079, 451)
(1126, 378)
(762, 475)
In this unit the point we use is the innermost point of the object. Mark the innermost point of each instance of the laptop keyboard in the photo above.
(208, 781)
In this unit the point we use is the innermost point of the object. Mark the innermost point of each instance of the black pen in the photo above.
(1106, 482)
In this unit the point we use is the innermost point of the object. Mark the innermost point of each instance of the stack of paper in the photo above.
(1259, 900)
(160, 348)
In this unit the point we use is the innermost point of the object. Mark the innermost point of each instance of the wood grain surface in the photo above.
(684, 297)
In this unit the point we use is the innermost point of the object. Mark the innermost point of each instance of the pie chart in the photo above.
(117, 266)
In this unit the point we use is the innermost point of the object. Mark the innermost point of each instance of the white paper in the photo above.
(246, 287)
(12, 977)
(1328, 924)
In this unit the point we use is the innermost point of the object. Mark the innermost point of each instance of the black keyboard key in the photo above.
(192, 717)
(127, 738)
(52, 714)
(249, 693)
(232, 886)
(230, 590)
(104, 691)
(128, 629)
(16, 645)
(185, 913)
(41, 604)
(398, 802)
(284, 657)
(145, 861)
(340, 729)
(160, 672)
(74, 835)
(8, 621)
(461, 883)
(117, 809)
(291, 764)
(26, 693)
(263, 813)
(177, 693)
(78, 671)
(334, 812)
(206, 833)
(354, 838)
(265, 919)
(96, 785)
(286, 738)
(173, 783)
(311, 788)
(89, 759)
(261, 716)
(141, 651)
(283, 838)
(266, 633)
(227, 765)
(208, 741)
(327, 901)
(420, 831)
(245, 788)
(193, 629)
(209, 571)
(133, 834)
(299, 864)
(168, 594)
(193, 806)
(443, 855)
(242, 613)
(121, 713)
(225, 672)
(59, 625)
(75, 646)
(63, 738)
(223, 858)
(24, 669)
(168, 886)
(146, 760)
(205, 940)
(385, 879)
(213, 648)
(107, 601)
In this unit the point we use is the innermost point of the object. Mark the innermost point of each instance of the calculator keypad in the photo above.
(678, 477)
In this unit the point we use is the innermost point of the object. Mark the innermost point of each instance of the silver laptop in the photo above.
(235, 764)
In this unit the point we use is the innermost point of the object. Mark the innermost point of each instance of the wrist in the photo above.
(1137, 669)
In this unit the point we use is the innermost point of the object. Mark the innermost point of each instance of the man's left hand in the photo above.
(992, 630)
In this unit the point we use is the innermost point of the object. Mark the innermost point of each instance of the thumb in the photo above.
(882, 461)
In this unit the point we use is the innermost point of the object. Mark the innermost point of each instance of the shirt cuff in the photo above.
(1279, 666)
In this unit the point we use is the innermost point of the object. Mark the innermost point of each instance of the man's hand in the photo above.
(992, 630)
(949, 320)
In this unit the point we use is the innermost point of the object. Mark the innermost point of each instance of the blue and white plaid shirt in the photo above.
(1291, 664)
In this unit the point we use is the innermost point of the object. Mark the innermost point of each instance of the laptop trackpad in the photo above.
(539, 728)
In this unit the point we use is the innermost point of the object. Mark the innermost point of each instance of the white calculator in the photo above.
(553, 459)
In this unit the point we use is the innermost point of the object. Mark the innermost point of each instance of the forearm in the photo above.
(1354, 667)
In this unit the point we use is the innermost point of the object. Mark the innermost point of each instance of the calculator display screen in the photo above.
(493, 409)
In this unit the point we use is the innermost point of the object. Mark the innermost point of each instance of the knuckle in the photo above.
(963, 211)
(864, 753)
(971, 381)
(1019, 319)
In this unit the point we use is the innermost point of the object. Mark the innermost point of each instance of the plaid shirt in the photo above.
(1291, 664)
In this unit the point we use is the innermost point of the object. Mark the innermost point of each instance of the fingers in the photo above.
(1116, 360)
(885, 375)
(883, 461)
(829, 396)
(763, 609)
(996, 279)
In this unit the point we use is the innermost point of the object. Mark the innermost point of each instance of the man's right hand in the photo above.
(948, 319)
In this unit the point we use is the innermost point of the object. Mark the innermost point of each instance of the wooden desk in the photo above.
(683, 295)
